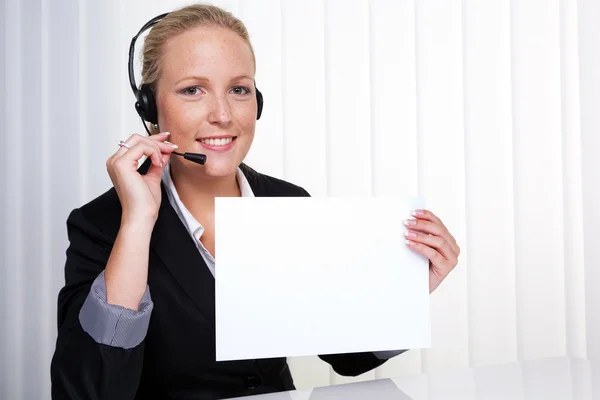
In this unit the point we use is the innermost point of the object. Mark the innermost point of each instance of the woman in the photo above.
(155, 231)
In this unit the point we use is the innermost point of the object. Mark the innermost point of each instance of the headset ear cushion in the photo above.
(146, 104)
(259, 102)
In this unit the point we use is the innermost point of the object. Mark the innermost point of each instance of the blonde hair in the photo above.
(179, 21)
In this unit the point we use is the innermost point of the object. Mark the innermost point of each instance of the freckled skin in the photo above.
(212, 60)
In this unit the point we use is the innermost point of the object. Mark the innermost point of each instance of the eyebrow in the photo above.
(203, 78)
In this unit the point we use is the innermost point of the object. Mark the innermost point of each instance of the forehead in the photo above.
(206, 51)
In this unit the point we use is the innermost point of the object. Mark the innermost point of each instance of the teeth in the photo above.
(216, 142)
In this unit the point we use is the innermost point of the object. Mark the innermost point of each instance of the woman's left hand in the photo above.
(428, 236)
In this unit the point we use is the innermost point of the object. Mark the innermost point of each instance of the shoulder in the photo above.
(268, 186)
(102, 215)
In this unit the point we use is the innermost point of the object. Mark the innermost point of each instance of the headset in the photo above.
(145, 104)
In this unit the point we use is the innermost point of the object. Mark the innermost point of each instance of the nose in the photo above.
(219, 111)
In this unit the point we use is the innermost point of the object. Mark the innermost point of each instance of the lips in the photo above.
(223, 143)
(217, 141)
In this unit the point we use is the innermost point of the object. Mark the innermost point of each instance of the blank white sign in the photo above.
(306, 276)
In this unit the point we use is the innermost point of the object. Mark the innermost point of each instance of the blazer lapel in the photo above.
(176, 249)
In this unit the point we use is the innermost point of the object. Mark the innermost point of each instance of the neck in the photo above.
(197, 190)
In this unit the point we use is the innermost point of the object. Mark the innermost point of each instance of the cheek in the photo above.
(246, 117)
(177, 115)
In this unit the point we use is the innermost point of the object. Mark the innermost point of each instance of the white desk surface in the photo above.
(560, 378)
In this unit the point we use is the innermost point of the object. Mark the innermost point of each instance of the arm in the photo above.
(99, 351)
(386, 355)
(352, 364)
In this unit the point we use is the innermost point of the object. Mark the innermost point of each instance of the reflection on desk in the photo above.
(561, 378)
(384, 389)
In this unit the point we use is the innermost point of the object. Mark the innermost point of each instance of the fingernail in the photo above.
(410, 234)
(174, 145)
(410, 243)
(165, 133)
(409, 222)
(417, 213)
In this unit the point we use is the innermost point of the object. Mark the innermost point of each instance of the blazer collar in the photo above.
(256, 181)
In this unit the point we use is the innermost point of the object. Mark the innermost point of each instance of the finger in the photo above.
(157, 160)
(167, 147)
(436, 242)
(130, 142)
(425, 226)
(157, 172)
(142, 148)
(163, 147)
(160, 140)
(430, 216)
(136, 138)
(432, 228)
(159, 137)
(433, 255)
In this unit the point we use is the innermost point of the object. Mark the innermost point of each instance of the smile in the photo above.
(222, 144)
(217, 142)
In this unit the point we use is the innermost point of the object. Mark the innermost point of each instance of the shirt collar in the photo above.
(193, 226)
(245, 188)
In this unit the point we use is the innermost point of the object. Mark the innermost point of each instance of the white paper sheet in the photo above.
(309, 276)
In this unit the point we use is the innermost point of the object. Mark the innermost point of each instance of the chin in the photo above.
(223, 160)
(219, 169)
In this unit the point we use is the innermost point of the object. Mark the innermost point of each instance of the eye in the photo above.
(240, 90)
(191, 91)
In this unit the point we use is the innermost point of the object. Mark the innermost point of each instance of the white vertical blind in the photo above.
(14, 362)
(487, 109)
(572, 197)
(489, 182)
(589, 70)
(348, 133)
(538, 169)
(4, 274)
(304, 113)
(32, 262)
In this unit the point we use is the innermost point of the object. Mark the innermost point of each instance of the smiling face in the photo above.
(206, 97)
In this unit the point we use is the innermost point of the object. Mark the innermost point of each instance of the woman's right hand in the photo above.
(140, 195)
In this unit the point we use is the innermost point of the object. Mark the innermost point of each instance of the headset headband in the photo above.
(147, 25)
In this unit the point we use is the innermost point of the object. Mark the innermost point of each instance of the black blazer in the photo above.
(176, 360)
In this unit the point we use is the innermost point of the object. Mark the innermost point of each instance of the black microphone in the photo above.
(194, 157)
